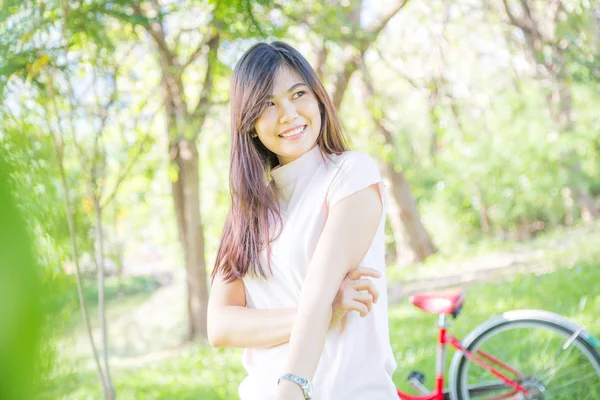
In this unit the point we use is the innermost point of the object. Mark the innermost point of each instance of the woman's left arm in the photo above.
(348, 233)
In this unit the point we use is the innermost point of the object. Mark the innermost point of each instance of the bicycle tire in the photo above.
(541, 384)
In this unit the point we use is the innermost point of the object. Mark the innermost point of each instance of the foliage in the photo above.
(20, 291)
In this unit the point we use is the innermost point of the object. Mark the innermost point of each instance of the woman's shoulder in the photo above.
(352, 156)
(349, 160)
(352, 171)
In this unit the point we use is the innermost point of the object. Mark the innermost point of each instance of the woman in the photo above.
(305, 213)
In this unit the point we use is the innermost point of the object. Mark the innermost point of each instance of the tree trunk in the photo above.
(561, 103)
(409, 232)
(69, 211)
(186, 188)
(405, 219)
(186, 195)
(434, 119)
(350, 62)
(484, 216)
(321, 60)
(109, 393)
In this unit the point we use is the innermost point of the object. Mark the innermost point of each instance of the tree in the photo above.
(354, 42)
(102, 183)
(186, 115)
(550, 38)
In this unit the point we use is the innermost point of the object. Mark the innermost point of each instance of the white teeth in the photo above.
(292, 133)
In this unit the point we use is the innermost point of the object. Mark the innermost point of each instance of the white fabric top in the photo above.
(358, 363)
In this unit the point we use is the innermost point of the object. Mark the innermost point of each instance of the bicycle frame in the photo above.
(478, 357)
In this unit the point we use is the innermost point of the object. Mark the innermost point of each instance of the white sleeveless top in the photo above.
(355, 364)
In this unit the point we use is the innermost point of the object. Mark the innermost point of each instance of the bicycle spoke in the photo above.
(569, 395)
(554, 366)
(572, 371)
(572, 381)
(546, 347)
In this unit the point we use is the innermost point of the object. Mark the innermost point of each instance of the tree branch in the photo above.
(380, 22)
(204, 100)
(248, 4)
(155, 30)
(321, 58)
(127, 170)
(205, 40)
(513, 20)
(411, 81)
(370, 90)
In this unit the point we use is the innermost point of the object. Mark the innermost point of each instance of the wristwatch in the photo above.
(303, 383)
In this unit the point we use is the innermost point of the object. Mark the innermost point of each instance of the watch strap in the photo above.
(298, 380)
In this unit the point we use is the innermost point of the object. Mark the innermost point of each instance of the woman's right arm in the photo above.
(232, 324)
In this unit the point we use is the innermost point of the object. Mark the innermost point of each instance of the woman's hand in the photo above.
(355, 294)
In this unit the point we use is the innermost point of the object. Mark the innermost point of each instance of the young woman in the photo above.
(305, 213)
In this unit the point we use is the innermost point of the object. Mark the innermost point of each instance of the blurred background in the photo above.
(114, 138)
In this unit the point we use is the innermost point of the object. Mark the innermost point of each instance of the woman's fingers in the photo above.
(363, 271)
(355, 305)
(364, 298)
(366, 285)
(360, 301)
(358, 293)
(358, 283)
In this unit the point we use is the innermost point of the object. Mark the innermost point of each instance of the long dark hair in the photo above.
(253, 199)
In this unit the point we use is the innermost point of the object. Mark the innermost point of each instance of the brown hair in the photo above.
(254, 205)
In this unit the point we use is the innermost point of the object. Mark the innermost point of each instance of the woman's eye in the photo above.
(270, 104)
(298, 94)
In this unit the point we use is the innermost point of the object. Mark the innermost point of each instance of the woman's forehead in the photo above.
(285, 78)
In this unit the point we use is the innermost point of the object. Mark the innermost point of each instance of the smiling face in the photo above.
(290, 124)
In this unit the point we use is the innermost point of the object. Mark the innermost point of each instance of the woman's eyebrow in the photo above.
(294, 86)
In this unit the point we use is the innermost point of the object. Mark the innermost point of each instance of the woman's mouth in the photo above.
(295, 134)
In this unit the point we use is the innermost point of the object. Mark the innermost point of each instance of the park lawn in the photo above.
(200, 372)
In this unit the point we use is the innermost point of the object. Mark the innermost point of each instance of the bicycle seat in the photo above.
(443, 302)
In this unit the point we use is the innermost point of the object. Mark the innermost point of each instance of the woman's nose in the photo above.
(288, 112)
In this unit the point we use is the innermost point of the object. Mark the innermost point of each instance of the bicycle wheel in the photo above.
(553, 359)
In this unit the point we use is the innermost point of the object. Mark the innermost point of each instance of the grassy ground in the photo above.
(196, 371)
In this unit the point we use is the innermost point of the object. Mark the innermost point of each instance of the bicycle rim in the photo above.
(554, 363)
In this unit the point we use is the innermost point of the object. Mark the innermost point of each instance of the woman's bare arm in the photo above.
(232, 324)
(346, 238)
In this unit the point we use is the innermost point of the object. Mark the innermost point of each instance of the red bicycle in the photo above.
(523, 354)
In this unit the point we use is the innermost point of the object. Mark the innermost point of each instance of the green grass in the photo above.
(200, 372)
